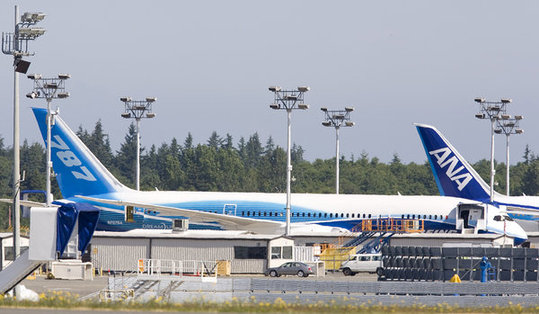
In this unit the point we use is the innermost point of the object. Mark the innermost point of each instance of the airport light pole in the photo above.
(508, 125)
(49, 89)
(337, 119)
(138, 109)
(491, 110)
(16, 44)
(288, 100)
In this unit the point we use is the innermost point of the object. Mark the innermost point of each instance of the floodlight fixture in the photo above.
(480, 115)
(34, 76)
(288, 100)
(519, 131)
(49, 89)
(138, 109)
(498, 131)
(51, 85)
(337, 119)
(16, 44)
(30, 33)
(32, 17)
(494, 111)
(324, 109)
(519, 117)
(21, 66)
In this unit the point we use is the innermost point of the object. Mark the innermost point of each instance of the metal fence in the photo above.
(158, 267)
(442, 263)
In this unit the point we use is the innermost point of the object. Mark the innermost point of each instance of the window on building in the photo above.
(8, 252)
(276, 252)
(287, 252)
(250, 252)
(369, 215)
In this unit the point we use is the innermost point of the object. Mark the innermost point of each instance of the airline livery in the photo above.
(82, 178)
(456, 177)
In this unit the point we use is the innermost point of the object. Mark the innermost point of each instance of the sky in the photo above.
(210, 63)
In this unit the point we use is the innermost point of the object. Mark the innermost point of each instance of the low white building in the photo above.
(7, 248)
(248, 253)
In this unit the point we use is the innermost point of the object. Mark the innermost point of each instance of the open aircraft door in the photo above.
(471, 217)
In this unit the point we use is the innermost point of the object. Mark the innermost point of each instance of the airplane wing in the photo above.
(25, 203)
(522, 211)
(227, 221)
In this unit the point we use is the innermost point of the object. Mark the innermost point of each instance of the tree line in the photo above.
(249, 166)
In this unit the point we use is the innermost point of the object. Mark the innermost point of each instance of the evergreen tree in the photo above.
(126, 157)
(215, 141)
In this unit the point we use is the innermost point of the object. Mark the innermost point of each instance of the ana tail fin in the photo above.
(454, 175)
(78, 171)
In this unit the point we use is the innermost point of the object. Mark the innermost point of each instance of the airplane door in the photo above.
(230, 209)
(470, 214)
(475, 215)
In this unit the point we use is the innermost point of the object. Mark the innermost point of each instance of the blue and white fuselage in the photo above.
(82, 178)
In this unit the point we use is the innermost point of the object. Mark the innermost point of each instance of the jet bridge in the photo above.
(51, 234)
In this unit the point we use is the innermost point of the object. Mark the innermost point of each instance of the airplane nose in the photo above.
(517, 233)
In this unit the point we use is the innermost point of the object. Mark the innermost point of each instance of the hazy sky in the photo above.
(210, 63)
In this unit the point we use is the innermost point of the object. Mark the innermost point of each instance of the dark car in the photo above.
(290, 268)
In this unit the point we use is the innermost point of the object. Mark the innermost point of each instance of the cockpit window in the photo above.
(508, 218)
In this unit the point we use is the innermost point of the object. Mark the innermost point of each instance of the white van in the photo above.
(371, 263)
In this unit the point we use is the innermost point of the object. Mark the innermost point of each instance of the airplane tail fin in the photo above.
(78, 171)
(454, 175)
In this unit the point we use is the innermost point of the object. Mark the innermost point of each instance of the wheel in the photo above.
(301, 273)
(347, 272)
(273, 273)
(380, 271)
